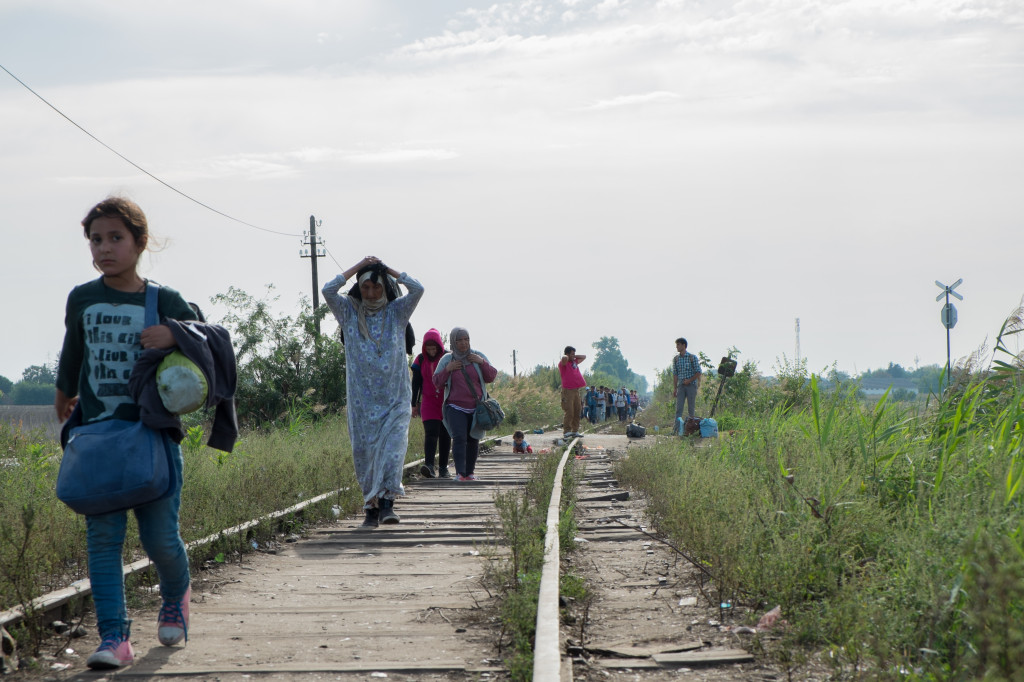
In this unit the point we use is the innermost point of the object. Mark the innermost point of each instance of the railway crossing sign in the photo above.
(948, 315)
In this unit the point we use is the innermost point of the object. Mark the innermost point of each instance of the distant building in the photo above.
(879, 385)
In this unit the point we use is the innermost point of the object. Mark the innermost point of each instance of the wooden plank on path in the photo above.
(630, 663)
(630, 650)
(707, 657)
(620, 497)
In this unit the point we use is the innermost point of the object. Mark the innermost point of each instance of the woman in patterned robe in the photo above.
(373, 319)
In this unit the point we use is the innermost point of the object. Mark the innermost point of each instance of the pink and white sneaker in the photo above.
(115, 652)
(172, 624)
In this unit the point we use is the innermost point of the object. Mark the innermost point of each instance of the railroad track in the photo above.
(409, 601)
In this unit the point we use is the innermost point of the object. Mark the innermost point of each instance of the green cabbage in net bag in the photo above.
(181, 384)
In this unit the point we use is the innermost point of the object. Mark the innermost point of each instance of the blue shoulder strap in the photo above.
(152, 314)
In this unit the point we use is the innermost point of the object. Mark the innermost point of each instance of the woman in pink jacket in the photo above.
(427, 401)
(463, 373)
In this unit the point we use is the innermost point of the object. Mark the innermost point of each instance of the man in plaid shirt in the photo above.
(686, 375)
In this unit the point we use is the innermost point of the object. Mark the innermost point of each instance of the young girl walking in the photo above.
(427, 401)
(103, 337)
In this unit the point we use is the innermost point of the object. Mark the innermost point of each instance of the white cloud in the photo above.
(634, 100)
(400, 156)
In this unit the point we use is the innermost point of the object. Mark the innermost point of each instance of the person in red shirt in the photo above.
(572, 382)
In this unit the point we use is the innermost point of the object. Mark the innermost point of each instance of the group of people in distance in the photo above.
(601, 403)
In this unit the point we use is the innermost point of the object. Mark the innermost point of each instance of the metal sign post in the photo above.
(948, 317)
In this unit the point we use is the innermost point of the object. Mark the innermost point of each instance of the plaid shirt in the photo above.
(685, 366)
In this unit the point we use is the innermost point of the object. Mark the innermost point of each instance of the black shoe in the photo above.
(443, 473)
(371, 521)
(387, 511)
(426, 472)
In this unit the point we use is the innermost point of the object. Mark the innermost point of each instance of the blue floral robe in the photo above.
(378, 386)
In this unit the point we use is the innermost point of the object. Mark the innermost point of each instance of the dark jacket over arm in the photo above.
(209, 346)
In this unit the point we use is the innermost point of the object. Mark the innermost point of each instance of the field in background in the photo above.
(31, 417)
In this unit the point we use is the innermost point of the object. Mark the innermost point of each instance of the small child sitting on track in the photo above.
(519, 444)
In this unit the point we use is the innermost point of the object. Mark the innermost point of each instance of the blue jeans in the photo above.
(158, 532)
(465, 448)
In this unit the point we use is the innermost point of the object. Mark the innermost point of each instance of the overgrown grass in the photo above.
(527, 404)
(523, 518)
(890, 535)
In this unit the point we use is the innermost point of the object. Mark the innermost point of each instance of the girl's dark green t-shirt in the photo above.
(101, 344)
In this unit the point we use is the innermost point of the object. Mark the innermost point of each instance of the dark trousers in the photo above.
(436, 440)
(465, 448)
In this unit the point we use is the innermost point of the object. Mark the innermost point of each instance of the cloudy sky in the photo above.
(551, 171)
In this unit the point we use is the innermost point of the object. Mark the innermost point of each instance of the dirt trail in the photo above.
(647, 599)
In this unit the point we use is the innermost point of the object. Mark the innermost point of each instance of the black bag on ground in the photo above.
(634, 430)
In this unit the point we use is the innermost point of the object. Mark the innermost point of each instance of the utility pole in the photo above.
(798, 343)
(514, 365)
(312, 249)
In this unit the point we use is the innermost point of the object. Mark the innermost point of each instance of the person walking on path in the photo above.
(104, 334)
(686, 375)
(572, 382)
(621, 404)
(464, 373)
(373, 318)
(591, 401)
(427, 401)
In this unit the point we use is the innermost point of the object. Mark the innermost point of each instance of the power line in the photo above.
(140, 168)
(328, 252)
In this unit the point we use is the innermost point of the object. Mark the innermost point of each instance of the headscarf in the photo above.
(458, 333)
(378, 276)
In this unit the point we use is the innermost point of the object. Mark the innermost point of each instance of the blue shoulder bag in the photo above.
(115, 464)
